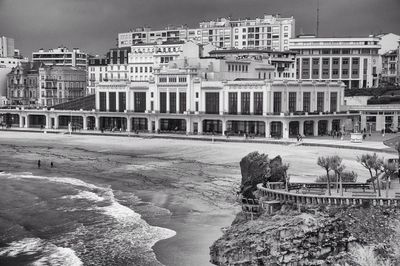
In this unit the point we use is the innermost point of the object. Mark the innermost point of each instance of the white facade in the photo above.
(97, 72)
(271, 32)
(6, 47)
(6, 64)
(355, 61)
(61, 57)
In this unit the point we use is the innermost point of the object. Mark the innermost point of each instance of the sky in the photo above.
(93, 25)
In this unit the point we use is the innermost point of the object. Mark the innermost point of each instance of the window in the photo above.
(245, 101)
(172, 79)
(162, 79)
(277, 102)
(182, 79)
(306, 101)
(197, 95)
(182, 102)
(292, 101)
(325, 61)
(335, 61)
(163, 102)
(333, 101)
(258, 103)
(112, 101)
(212, 103)
(172, 102)
(355, 61)
(232, 103)
(320, 101)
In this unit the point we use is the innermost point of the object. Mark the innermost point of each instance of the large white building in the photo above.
(61, 56)
(97, 72)
(355, 61)
(222, 96)
(7, 48)
(270, 32)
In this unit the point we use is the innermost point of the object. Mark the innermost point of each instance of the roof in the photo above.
(250, 50)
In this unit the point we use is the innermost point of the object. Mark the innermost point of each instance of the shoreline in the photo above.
(195, 180)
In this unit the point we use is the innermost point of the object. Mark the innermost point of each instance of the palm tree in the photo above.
(372, 162)
(326, 163)
(397, 148)
(390, 170)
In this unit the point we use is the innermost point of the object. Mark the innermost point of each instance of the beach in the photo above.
(181, 192)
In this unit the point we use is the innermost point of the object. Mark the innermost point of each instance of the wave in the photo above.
(49, 253)
(129, 231)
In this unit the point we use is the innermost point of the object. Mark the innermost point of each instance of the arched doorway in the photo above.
(294, 128)
(309, 128)
(276, 129)
(322, 127)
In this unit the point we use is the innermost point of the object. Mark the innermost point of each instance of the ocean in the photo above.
(66, 221)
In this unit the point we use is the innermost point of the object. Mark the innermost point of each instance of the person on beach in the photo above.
(51, 165)
(38, 163)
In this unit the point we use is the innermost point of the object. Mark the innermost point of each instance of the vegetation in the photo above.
(326, 163)
(346, 176)
(374, 165)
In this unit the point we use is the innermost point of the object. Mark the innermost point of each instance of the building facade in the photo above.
(390, 71)
(351, 60)
(22, 84)
(6, 47)
(117, 60)
(97, 72)
(59, 84)
(61, 56)
(222, 96)
(270, 32)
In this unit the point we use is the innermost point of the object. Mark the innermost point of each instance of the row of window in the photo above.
(172, 79)
(326, 61)
(238, 68)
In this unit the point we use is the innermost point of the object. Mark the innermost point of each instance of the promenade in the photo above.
(373, 143)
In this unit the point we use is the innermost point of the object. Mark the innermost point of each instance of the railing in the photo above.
(307, 199)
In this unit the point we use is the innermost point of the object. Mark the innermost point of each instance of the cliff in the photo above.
(324, 236)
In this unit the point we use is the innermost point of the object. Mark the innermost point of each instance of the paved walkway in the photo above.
(373, 143)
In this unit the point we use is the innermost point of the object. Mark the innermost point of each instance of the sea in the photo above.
(66, 221)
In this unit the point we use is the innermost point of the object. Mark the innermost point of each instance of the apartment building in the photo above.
(61, 56)
(390, 63)
(22, 84)
(117, 61)
(351, 60)
(97, 71)
(7, 48)
(270, 32)
(59, 84)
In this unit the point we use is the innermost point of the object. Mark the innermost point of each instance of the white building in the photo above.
(61, 57)
(355, 61)
(6, 65)
(97, 72)
(271, 32)
(222, 96)
(6, 47)
(145, 57)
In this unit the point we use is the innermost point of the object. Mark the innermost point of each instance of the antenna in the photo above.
(317, 18)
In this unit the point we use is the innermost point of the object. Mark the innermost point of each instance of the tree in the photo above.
(374, 166)
(338, 168)
(390, 170)
(397, 148)
(326, 163)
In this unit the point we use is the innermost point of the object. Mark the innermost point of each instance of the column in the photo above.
(107, 101)
(200, 127)
(239, 99)
(48, 122)
(97, 122)
(364, 121)
(223, 127)
(301, 127)
(56, 121)
(21, 121)
(330, 121)
(188, 126)
(157, 124)
(84, 122)
(168, 99)
(252, 102)
(97, 100)
(395, 120)
(285, 129)
(128, 123)
(315, 131)
(27, 121)
(149, 125)
(132, 99)
(267, 129)
(117, 101)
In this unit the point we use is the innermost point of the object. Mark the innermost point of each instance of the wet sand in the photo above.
(186, 186)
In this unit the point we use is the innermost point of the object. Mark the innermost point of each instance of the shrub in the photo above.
(347, 176)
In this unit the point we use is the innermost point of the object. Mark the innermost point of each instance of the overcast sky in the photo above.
(93, 25)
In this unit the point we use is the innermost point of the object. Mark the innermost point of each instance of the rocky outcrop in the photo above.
(258, 168)
(314, 237)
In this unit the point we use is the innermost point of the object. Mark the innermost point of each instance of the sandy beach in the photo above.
(186, 186)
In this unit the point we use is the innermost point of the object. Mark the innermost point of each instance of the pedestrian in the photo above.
(38, 163)
(51, 165)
